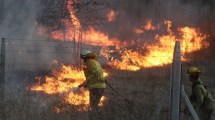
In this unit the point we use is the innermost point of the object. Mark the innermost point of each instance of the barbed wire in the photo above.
(63, 41)
(30, 40)
(20, 51)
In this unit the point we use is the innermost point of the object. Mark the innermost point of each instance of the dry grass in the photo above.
(143, 88)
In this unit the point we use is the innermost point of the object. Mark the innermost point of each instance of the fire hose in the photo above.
(76, 89)
(130, 104)
(111, 87)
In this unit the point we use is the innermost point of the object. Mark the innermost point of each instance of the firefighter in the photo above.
(201, 98)
(95, 80)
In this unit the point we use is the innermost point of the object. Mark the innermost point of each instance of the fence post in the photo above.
(175, 83)
(2, 80)
(188, 104)
(1, 9)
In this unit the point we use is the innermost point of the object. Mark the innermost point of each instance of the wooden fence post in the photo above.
(175, 84)
(2, 80)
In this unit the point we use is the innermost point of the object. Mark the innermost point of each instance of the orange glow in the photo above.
(192, 39)
(74, 19)
(93, 37)
(149, 25)
(138, 31)
(159, 53)
(61, 82)
(146, 27)
(111, 16)
(97, 38)
(41, 30)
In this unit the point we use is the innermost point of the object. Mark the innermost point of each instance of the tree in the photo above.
(71, 15)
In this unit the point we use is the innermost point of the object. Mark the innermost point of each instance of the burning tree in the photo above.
(69, 18)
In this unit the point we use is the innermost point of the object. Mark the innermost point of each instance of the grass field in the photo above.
(144, 90)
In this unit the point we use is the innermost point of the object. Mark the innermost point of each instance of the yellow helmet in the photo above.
(193, 71)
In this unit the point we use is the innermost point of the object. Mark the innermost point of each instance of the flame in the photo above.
(149, 25)
(111, 16)
(138, 31)
(94, 37)
(66, 32)
(61, 82)
(192, 39)
(125, 63)
(159, 53)
(74, 19)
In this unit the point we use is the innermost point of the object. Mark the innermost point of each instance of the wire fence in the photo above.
(28, 59)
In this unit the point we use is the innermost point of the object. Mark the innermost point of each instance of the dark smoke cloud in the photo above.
(134, 14)
(18, 17)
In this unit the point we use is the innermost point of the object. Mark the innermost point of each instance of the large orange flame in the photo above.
(159, 53)
(97, 38)
(61, 82)
(91, 35)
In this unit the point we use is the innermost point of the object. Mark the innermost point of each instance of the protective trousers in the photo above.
(95, 96)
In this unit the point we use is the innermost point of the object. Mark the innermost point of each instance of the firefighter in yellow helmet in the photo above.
(95, 80)
(201, 98)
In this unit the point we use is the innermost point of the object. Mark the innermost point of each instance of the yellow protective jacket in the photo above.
(201, 98)
(94, 74)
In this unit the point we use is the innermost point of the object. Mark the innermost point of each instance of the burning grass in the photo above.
(144, 88)
(62, 82)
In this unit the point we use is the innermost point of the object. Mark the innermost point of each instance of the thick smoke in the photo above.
(181, 12)
(18, 24)
(18, 18)
(26, 56)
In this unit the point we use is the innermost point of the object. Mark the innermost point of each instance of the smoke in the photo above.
(18, 24)
(182, 13)
(18, 18)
